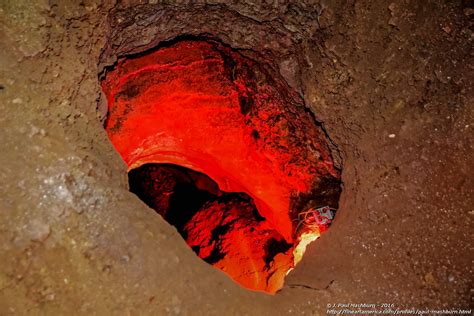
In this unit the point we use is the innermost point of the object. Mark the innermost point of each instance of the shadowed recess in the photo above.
(224, 151)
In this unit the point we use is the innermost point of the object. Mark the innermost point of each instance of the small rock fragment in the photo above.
(39, 231)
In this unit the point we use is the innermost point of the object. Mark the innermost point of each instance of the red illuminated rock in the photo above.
(224, 229)
(205, 107)
(227, 234)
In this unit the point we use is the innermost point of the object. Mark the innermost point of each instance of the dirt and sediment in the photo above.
(389, 82)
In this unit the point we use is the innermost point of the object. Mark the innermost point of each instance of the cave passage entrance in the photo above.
(224, 229)
(225, 151)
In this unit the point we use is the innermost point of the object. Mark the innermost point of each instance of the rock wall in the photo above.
(389, 81)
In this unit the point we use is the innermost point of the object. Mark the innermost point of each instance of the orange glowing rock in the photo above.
(227, 235)
(205, 107)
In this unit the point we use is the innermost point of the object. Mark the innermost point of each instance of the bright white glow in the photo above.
(304, 240)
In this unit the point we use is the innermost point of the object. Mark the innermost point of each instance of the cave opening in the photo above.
(224, 150)
(174, 192)
(208, 218)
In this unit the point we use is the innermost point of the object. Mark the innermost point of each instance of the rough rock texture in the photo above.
(223, 229)
(227, 234)
(389, 81)
(202, 106)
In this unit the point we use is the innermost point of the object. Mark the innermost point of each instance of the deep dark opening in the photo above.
(203, 105)
(174, 192)
(186, 198)
(178, 193)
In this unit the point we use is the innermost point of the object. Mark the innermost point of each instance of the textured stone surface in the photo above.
(224, 229)
(228, 235)
(390, 84)
(202, 106)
